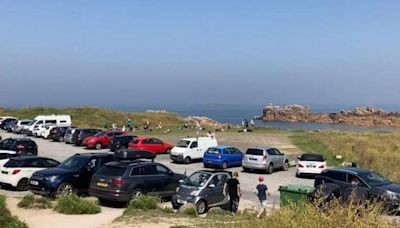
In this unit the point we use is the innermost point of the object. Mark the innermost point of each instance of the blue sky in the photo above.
(147, 53)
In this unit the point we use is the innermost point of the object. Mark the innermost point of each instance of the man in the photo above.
(232, 186)
(262, 191)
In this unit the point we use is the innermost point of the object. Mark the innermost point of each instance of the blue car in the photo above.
(222, 157)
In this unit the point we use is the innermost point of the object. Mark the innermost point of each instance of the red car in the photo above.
(150, 144)
(101, 139)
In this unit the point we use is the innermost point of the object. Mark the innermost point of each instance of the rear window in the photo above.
(312, 157)
(255, 152)
(109, 170)
(13, 163)
(213, 150)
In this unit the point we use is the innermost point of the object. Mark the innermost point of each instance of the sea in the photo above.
(235, 114)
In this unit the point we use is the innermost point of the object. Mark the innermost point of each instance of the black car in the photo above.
(120, 142)
(366, 184)
(10, 124)
(81, 133)
(57, 134)
(71, 176)
(127, 179)
(6, 121)
(23, 146)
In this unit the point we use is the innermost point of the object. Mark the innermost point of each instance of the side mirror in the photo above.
(211, 186)
(283, 153)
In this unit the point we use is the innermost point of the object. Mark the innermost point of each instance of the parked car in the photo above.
(264, 158)
(366, 185)
(223, 157)
(46, 132)
(190, 149)
(16, 171)
(9, 125)
(71, 176)
(20, 125)
(120, 142)
(23, 146)
(6, 120)
(68, 136)
(57, 133)
(37, 130)
(81, 133)
(6, 154)
(150, 144)
(310, 164)
(101, 139)
(203, 189)
(125, 180)
(2, 118)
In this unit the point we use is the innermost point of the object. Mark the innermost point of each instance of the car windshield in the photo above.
(101, 133)
(374, 179)
(312, 157)
(32, 122)
(197, 179)
(255, 152)
(74, 163)
(214, 150)
(183, 143)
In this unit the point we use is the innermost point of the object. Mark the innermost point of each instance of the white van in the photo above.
(56, 120)
(189, 149)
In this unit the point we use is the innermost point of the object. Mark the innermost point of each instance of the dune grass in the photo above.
(6, 219)
(73, 205)
(30, 201)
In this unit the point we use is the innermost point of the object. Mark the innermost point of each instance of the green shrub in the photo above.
(188, 209)
(144, 203)
(167, 210)
(73, 204)
(6, 219)
(29, 201)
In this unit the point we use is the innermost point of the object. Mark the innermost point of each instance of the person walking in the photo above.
(262, 192)
(129, 124)
(232, 187)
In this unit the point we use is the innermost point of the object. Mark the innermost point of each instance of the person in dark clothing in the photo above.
(232, 187)
(262, 192)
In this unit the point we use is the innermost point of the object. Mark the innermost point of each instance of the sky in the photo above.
(151, 53)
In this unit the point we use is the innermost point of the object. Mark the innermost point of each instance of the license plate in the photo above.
(181, 201)
(311, 166)
(34, 182)
(209, 161)
(253, 159)
(102, 184)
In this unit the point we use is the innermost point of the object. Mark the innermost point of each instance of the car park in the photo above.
(68, 135)
(310, 164)
(150, 144)
(361, 184)
(20, 125)
(190, 149)
(22, 146)
(71, 176)
(16, 171)
(222, 157)
(101, 139)
(264, 158)
(81, 133)
(57, 133)
(203, 189)
(127, 179)
(120, 142)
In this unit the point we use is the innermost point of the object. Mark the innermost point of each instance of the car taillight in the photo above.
(16, 171)
(117, 181)
(321, 166)
(301, 166)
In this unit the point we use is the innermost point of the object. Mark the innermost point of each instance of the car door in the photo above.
(195, 151)
(167, 182)
(272, 157)
(150, 179)
(147, 144)
(279, 158)
(237, 156)
(82, 179)
(158, 145)
(214, 190)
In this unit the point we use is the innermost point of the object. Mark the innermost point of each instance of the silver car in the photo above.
(68, 135)
(264, 158)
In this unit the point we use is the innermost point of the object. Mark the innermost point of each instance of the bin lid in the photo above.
(299, 188)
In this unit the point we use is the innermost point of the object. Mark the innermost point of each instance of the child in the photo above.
(262, 191)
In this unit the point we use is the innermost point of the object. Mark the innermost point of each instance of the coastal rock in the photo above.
(203, 120)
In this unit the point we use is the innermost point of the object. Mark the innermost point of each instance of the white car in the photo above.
(16, 171)
(310, 164)
(46, 132)
(6, 154)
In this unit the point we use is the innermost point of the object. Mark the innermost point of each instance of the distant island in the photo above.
(360, 116)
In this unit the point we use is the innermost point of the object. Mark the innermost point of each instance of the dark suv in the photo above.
(71, 176)
(120, 142)
(366, 185)
(124, 180)
(81, 133)
(57, 134)
(23, 146)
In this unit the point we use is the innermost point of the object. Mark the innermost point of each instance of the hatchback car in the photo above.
(101, 139)
(16, 171)
(264, 158)
(150, 144)
(120, 142)
(57, 134)
(223, 157)
(310, 164)
(23, 146)
(204, 189)
(5, 120)
(10, 124)
(68, 136)
(81, 133)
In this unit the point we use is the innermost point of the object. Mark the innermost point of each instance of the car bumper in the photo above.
(179, 200)
(114, 195)
(177, 158)
(42, 188)
(208, 162)
(6, 179)
(89, 144)
(249, 165)
(309, 171)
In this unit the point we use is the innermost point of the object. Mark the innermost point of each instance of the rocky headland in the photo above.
(361, 116)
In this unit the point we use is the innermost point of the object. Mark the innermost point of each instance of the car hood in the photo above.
(178, 150)
(393, 187)
(186, 190)
(55, 171)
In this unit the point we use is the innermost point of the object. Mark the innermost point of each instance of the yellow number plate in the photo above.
(102, 184)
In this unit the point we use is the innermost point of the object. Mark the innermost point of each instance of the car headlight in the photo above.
(392, 196)
(50, 178)
(195, 193)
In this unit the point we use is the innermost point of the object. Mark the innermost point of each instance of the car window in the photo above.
(355, 180)
(374, 179)
(109, 170)
(228, 151)
(213, 150)
(312, 157)
(148, 170)
(157, 141)
(135, 171)
(5, 156)
(49, 163)
(235, 151)
(339, 176)
(271, 152)
(13, 163)
(105, 160)
(33, 163)
(194, 144)
(162, 170)
(92, 163)
(277, 152)
(117, 133)
(255, 152)
(147, 141)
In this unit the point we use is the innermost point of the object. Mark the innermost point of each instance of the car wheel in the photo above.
(298, 174)
(270, 168)
(224, 165)
(22, 184)
(137, 192)
(188, 160)
(201, 207)
(98, 146)
(64, 189)
(286, 166)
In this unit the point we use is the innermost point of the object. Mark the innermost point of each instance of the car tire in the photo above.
(298, 175)
(201, 207)
(98, 146)
(176, 206)
(286, 166)
(23, 184)
(137, 192)
(247, 170)
(188, 160)
(206, 166)
(224, 165)
(65, 189)
(270, 168)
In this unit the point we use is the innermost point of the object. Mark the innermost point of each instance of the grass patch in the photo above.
(29, 201)
(143, 203)
(188, 210)
(73, 204)
(6, 219)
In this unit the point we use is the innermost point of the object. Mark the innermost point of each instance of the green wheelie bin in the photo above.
(294, 193)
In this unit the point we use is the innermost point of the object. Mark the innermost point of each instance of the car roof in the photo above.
(23, 158)
(127, 163)
(349, 169)
(94, 154)
(122, 136)
(214, 171)
(222, 146)
(20, 139)
(311, 154)
(262, 147)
